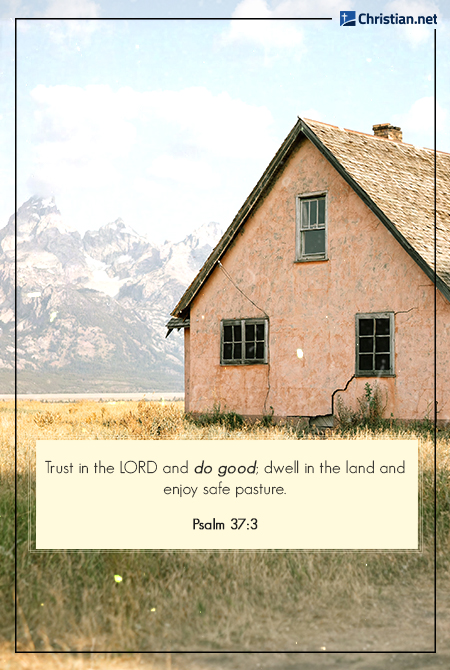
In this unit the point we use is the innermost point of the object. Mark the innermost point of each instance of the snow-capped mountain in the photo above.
(91, 310)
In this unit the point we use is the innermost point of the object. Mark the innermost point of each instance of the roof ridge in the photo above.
(374, 137)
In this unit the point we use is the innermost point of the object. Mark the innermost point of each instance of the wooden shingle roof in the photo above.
(399, 179)
(394, 179)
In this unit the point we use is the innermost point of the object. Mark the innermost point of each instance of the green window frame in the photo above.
(312, 229)
(244, 341)
(375, 352)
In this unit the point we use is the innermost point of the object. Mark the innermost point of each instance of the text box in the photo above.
(227, 494)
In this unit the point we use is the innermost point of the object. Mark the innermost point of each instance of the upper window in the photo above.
(244, 341)
(375, 344)
(311, 228)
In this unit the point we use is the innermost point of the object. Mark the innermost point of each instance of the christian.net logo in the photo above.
(348, 19)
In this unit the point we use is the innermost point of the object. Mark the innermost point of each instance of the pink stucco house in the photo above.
(325, 281)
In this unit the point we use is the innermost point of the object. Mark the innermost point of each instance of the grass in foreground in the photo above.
(210, 600)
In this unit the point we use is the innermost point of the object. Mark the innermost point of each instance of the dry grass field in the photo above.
(212, 602)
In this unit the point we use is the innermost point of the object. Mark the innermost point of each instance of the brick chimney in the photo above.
(387, 131)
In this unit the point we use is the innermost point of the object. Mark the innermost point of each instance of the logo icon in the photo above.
(347, 19)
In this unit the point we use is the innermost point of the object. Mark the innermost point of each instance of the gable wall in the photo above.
(312, 306)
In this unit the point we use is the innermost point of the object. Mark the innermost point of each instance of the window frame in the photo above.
(300, 255)
(243, 323)
(376, 315)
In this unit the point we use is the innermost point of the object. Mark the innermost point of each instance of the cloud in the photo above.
(95, 123)
(276, 35)
(305, 8)
(419, 119)
(76, 9)
(268, 34)
(203, 122)
(183, 170)
(158, 155)
(77, 19)
(58, 30)
(415, 35)
(11, 9)
(81, 134)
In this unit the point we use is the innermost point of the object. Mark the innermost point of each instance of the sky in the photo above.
(146, 110)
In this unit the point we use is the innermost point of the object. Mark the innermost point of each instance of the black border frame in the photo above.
(434, 651)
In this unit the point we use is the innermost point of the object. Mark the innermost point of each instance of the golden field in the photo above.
(212, 602)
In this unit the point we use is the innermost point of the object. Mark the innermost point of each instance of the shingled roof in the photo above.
(395, 179)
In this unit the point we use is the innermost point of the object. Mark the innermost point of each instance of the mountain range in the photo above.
(92, 309)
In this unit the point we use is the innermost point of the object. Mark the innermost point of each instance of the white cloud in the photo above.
(204, 122)
(161, 155)
(12, 8)
(268, 34)
(252, 9)
(77, 19)
(419, 119)
(81, 134)
(58, 30)
(305, 8)
(75, 9)
(276, 34)
(414, 34)
(80, 125)
(63, 32)
(182, 170)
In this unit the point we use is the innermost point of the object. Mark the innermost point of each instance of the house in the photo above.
(325, 281)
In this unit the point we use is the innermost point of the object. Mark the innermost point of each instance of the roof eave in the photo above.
(182, 308)
(177, 324)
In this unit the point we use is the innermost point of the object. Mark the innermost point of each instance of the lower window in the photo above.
(243, 341)
(375, 344)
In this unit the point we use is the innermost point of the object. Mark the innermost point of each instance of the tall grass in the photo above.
(210, 600)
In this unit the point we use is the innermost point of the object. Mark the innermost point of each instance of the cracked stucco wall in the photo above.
(312, 306)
